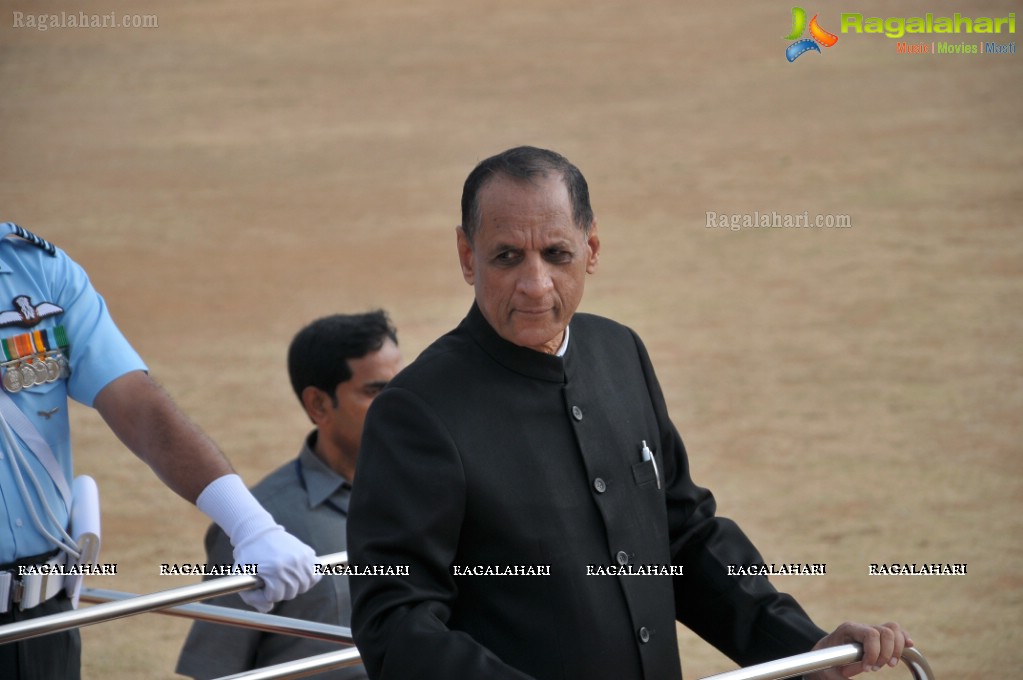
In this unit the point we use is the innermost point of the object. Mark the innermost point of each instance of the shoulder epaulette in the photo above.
(38, 242)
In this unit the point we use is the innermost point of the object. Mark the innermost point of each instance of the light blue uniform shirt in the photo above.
(97, 353)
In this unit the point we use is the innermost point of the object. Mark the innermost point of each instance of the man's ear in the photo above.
(316, 403)
(465, 255)
(593, 246)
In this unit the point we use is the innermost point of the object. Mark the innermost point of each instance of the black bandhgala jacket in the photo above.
(483, 457)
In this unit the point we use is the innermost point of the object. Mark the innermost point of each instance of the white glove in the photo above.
(285, 564)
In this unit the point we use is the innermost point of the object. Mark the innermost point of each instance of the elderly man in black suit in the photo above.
(523, 496)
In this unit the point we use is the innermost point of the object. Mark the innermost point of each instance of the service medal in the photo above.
(12, 380)
(52, 369)
(65, 365)
(28, 375)
(42, 373)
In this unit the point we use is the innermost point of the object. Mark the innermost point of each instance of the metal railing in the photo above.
(243, 618)
(110, 611)
(301, 667)
(178, 602)
(819, 660)
(772, 670)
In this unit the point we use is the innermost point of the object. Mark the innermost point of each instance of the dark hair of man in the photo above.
(319, 353)
(525, 164)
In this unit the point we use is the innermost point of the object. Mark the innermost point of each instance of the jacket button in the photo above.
(599, 485)
(577, 413)
(622, 557)
(644, 635)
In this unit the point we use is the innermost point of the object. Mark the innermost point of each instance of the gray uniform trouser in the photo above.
(57, 656)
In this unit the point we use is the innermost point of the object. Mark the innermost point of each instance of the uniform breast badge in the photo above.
(27, 314)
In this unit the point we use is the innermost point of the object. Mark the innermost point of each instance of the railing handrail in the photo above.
(301, 667)
(174, 602)
(819, 660)
(244, 618)
(54, 623)
(772, 670)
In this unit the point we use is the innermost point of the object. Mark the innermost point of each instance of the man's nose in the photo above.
(535, 279)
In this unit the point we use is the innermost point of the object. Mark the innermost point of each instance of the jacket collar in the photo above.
(527, 362)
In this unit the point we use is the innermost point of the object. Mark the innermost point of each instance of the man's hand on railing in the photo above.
(285, 565)
(882, 646)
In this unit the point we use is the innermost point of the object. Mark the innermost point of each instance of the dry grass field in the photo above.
(853, 395)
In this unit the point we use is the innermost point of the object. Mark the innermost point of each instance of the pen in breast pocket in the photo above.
(648, 455)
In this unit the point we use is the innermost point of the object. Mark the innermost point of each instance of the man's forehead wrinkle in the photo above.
(551, 217)
(515, 236)
(510, 208)
(541, 224)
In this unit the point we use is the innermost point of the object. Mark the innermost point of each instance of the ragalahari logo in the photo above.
(818, 36)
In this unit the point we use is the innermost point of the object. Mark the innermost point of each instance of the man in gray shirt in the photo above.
(337, 365)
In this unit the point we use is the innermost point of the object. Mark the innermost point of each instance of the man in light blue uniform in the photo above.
(57, 340)
(54, 297)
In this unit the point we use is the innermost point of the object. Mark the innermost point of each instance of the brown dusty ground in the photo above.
(852, 395)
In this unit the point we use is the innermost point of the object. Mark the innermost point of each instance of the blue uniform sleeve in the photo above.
(99, 353)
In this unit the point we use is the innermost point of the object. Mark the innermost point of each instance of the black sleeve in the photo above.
(406, 511)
